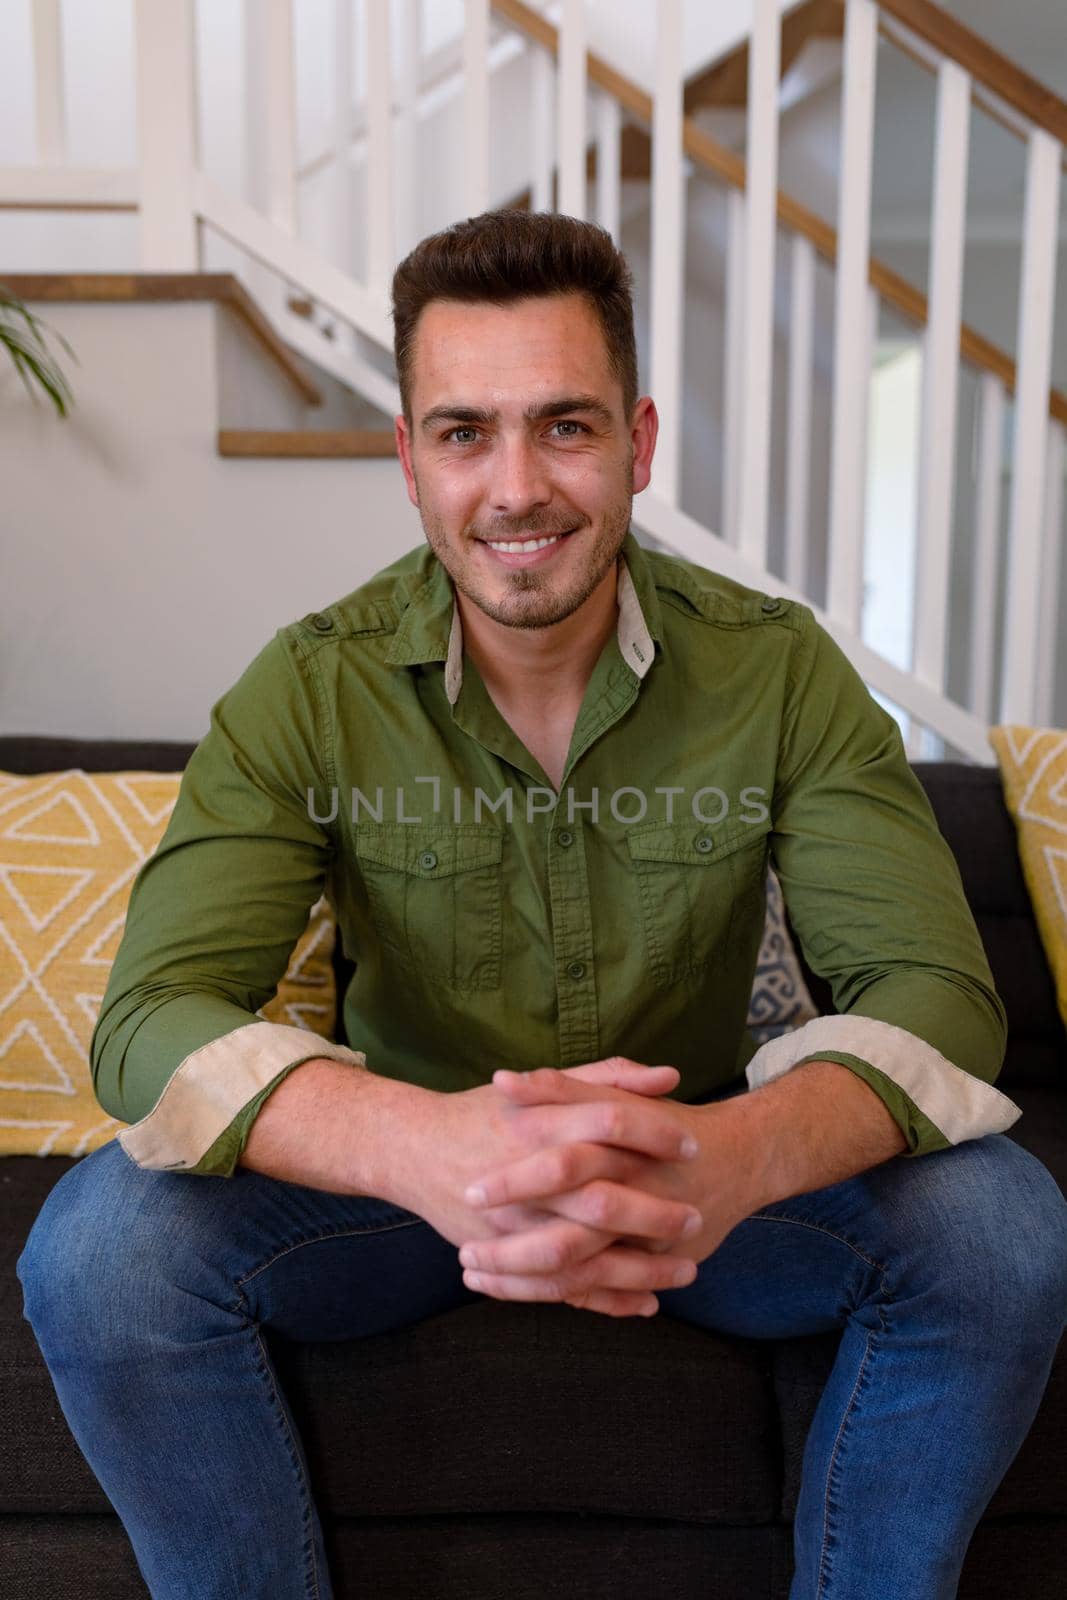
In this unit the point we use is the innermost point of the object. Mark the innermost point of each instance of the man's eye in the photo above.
(468, 434)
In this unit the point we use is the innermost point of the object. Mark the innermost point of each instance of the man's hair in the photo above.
(506, 256)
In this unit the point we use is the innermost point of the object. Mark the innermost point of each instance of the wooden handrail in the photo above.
(1036, 102)
(726, 164)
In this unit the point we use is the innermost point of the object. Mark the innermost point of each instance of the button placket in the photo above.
(572, 948)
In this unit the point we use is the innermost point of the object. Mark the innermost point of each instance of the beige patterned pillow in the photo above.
(71, 844)
(1033, 773)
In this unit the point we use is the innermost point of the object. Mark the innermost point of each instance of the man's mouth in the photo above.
(525, 544)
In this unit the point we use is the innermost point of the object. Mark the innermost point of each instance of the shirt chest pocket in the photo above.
(693, 885)
(435, 898)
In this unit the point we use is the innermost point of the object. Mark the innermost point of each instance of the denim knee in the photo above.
(87, 1254)
(1000, 1219)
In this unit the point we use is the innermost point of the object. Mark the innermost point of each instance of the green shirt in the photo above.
(494, 922)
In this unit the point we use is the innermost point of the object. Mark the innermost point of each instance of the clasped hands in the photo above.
(632, 1200)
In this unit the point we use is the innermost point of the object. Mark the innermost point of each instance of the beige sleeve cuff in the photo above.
(211, 1086)
(960, 1105)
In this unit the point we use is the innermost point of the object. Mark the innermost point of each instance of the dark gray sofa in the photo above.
(537, 1451)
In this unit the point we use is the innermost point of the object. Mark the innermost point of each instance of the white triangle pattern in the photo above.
(89, 835)
(71, 844)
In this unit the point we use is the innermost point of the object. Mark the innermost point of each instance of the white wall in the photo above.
(139, 571)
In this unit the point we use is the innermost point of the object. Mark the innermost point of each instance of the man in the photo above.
(540, 772)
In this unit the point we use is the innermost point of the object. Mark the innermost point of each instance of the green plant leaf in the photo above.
(22, 334)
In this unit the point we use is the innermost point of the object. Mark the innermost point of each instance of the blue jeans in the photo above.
(148, 1293)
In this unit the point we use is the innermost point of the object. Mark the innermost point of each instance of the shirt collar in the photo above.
(430, 627)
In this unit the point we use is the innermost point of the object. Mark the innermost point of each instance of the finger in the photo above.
(554, 1170)
(559, 1113)
(601, 1203)
(619, 1073)
(613, 1268)
(622, 1073)
(552, 1246)
(609, 1302)
(615, 1303)
(558, 1246)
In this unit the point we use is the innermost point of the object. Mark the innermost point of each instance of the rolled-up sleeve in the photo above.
(875, 898)
(213, 916)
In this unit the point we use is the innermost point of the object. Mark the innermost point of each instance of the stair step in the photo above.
(140, 287)
(308, 443)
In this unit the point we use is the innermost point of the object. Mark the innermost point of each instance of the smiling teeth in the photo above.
(517, 546)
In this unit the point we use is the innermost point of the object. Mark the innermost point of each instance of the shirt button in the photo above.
(704, 842)
(564, 838)
(322, 623)
(576, 969)
(428, 860)
(771, 606)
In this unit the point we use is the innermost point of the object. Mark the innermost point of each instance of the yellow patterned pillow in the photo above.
(71, 844)
(1033, 769)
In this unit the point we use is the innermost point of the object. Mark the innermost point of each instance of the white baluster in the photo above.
(733, 362)
(343, 131)
(608, 157)
(167, 134)
(851, 314)
(277, 128)
(668, 248)
(542, 131)
(1034, 346)
(798, 443)
(381, 238)
(760, 239)
(869, 346)
(476, 107)
(988, 475)
(915, 739)
(48, 77)
(405, 132)
(571, 142)
(940, 385)
(1050, 629)
(270, 133)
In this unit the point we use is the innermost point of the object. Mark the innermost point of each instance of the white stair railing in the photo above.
(514, 62)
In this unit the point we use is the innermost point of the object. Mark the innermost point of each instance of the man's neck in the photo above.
(539, 672)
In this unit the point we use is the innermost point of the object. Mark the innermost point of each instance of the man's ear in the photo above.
(643, 433)
(403, 450)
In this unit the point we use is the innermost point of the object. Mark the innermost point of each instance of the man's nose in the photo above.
(520, 479)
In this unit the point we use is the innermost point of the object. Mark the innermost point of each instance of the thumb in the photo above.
(621, 1073)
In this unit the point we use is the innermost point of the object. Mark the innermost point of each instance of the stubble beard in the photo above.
(533, 597)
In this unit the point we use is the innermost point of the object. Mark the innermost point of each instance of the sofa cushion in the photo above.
(968, 804)
(462, 1395)
(71, 845)
(1033, 768)
(30, 753)
(41, 1468)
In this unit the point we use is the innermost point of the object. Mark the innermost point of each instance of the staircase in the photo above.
(832, 428)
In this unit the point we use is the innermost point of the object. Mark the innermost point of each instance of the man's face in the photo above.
(518, 435)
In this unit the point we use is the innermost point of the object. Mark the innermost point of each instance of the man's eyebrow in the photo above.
(465, 415)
